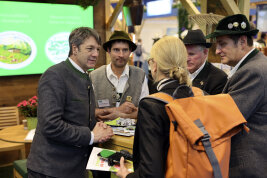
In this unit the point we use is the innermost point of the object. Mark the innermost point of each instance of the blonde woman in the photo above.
(168, 64)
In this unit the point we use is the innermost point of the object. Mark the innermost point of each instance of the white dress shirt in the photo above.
(193, 75)
(82, 71)
(119, 83)
(232, 72)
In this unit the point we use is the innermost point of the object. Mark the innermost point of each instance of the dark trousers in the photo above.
(101, 174)
(32, 174)
(96, 174)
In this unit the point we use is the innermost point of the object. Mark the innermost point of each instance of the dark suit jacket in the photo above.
(210, 79)
(248, 87)
(60, 147)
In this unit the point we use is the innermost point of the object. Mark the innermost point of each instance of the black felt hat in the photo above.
(119, 35)
(233, 25)
(196, 37)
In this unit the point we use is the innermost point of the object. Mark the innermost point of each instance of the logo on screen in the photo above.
(17, 50)
(57, 47)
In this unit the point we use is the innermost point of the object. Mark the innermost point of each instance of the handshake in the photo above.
(102, 132)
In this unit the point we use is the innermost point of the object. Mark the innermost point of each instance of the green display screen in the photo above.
(34, 36)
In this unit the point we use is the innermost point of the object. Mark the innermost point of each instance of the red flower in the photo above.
(29, 108)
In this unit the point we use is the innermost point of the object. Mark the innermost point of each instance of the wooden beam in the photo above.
(107, 10)
(100, 27)
(244, 6)
(203, 7)
(114, 1)
(230, 6)
(190, 7)
(108, 32)
(115, 15)
(118, 22)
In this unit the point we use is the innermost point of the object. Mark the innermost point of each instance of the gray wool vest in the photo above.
(104, 89)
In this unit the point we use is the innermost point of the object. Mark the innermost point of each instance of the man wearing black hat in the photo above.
(118, 87)
(247, 84)
(202, 73)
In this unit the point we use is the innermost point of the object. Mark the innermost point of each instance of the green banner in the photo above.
(34, 36)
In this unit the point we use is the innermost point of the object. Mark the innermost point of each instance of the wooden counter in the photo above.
(17, 134)
(119, 143)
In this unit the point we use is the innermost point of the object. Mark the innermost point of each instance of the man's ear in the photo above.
(206, 51)
(74, 49)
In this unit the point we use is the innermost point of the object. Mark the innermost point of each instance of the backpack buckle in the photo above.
(206, 137)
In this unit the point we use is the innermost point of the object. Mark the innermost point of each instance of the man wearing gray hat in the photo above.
(118, 87)
(247, 84)
(202, 73)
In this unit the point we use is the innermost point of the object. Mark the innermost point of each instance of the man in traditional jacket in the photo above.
(202, 73)
(247, 84)
(67, 128)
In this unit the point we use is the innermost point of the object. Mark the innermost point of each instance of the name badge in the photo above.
(103, 103)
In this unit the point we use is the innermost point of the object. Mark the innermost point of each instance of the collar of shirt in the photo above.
(110, 73)
(193, 75)
(119, 83)
(76, 66)
(232, 72)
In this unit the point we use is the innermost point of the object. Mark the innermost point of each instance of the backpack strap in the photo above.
(208, 149)
(197, 91)
(164, 97)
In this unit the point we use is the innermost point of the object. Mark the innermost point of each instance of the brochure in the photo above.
(30, 135)
(95, 162)
(124, 131)
(121, 122)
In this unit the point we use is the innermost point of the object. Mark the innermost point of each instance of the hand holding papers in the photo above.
(96, 162)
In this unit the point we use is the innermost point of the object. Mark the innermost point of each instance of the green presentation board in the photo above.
(34, 36)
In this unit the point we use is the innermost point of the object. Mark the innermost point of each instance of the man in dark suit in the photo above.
(247, 84)
(66, 126)
(202, 73)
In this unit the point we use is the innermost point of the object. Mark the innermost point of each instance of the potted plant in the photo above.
(28, 109)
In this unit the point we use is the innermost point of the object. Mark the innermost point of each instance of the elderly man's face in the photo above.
(229, 52)
(119, 54)
(196, 57)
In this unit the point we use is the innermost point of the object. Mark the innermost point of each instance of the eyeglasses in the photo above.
(150, 60)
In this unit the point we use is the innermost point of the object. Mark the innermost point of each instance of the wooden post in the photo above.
(244, 6)
(230, 6)
(204, 11)
(100, 27)
(214, 7)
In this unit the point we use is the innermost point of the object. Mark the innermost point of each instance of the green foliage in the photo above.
(86, 3)
(182, 17)
(83, 3)
(183, 20)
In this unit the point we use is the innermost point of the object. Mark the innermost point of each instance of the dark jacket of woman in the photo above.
(151, 142)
